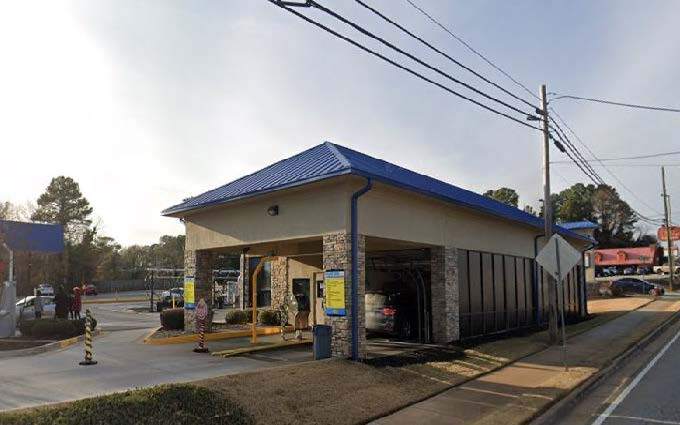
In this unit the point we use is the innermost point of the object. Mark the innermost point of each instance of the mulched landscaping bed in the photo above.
(20, 343)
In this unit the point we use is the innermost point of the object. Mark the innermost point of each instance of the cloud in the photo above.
(148, 103)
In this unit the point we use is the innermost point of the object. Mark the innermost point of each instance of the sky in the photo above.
(147, 103)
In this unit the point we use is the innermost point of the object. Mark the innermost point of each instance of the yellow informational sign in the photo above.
(334, 282)
(189, 300)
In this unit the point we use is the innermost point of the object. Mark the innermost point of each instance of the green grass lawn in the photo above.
(176, 404)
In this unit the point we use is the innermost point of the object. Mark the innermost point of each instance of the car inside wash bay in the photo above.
(373, 249)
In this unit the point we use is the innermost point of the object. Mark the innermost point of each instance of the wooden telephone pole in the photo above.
(548, 215)
(667, 220)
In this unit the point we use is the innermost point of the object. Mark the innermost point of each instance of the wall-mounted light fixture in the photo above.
(273, 210)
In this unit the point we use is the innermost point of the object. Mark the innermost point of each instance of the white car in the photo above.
(46, 289)
(25, 308)
(665, 269)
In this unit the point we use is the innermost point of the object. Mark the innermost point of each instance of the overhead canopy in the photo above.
(34, 237)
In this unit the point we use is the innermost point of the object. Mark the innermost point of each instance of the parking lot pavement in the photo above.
(123, 363)
(121, 316)
(120, 296)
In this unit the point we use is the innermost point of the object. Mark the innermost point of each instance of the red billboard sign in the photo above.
(662, 235)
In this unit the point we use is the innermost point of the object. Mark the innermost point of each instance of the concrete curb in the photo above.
(551, 413)
(52, 346)
(510, 363)
(114, 301)
(258, 349)
(215, 336)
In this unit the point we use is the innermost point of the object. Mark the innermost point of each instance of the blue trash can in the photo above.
(322, 341)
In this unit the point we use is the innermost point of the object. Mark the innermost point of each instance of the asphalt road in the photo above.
(643, 391)
(124, 362)
(123, 316)
(118, 295)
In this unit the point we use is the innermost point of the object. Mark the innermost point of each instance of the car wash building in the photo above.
(371, 246)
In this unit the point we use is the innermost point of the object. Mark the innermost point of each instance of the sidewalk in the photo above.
(516, 393)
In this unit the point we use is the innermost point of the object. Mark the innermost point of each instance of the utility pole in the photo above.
(548, 215)
(667, 219)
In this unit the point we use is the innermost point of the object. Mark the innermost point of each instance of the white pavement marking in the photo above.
(638, 420)
(604, 415)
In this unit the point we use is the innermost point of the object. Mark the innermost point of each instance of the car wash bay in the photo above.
(501, 293)
(498, 293)
(379, 227)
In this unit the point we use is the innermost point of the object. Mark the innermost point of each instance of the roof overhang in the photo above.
(178, 211)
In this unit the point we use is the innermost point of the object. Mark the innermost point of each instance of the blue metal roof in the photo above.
(329, 160)
(35, 237)
(577, 225)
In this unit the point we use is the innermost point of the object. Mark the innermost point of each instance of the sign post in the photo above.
(555, 257)
(560, 285)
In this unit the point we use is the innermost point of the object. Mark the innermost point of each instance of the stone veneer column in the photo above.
(243, 282)
(444, 290)
(337, 254)
(198, 264)
(279, 284)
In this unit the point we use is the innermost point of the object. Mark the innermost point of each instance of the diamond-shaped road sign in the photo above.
(558, 257)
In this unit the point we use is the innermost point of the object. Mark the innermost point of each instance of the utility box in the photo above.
(322, 341)
(8, 299)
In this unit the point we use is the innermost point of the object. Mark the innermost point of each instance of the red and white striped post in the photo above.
(201, 317)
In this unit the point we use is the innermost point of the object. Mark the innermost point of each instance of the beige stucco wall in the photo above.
(305, 211)
(305, 268)
(393, 213)
(384, 212)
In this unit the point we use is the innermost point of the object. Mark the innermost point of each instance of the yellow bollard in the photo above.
(88, 340)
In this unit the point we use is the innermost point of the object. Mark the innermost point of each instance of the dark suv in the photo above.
(631, 285)
(392, 314)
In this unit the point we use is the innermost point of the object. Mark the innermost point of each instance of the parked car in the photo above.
(391, 314)
(610, 271)
(628, 271)
(46, 289)
(631, 285)
(665, 269)
(25, 308)
(90, 290)
(642, 270)
(165, 300)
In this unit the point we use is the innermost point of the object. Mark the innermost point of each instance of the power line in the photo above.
(284, 5)
(412, 57)
(611, 102)
(578, 164)
(562, 135)
(623, 158)
(675, 164)
(429, 45)
(470, 48)
(623, 185)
